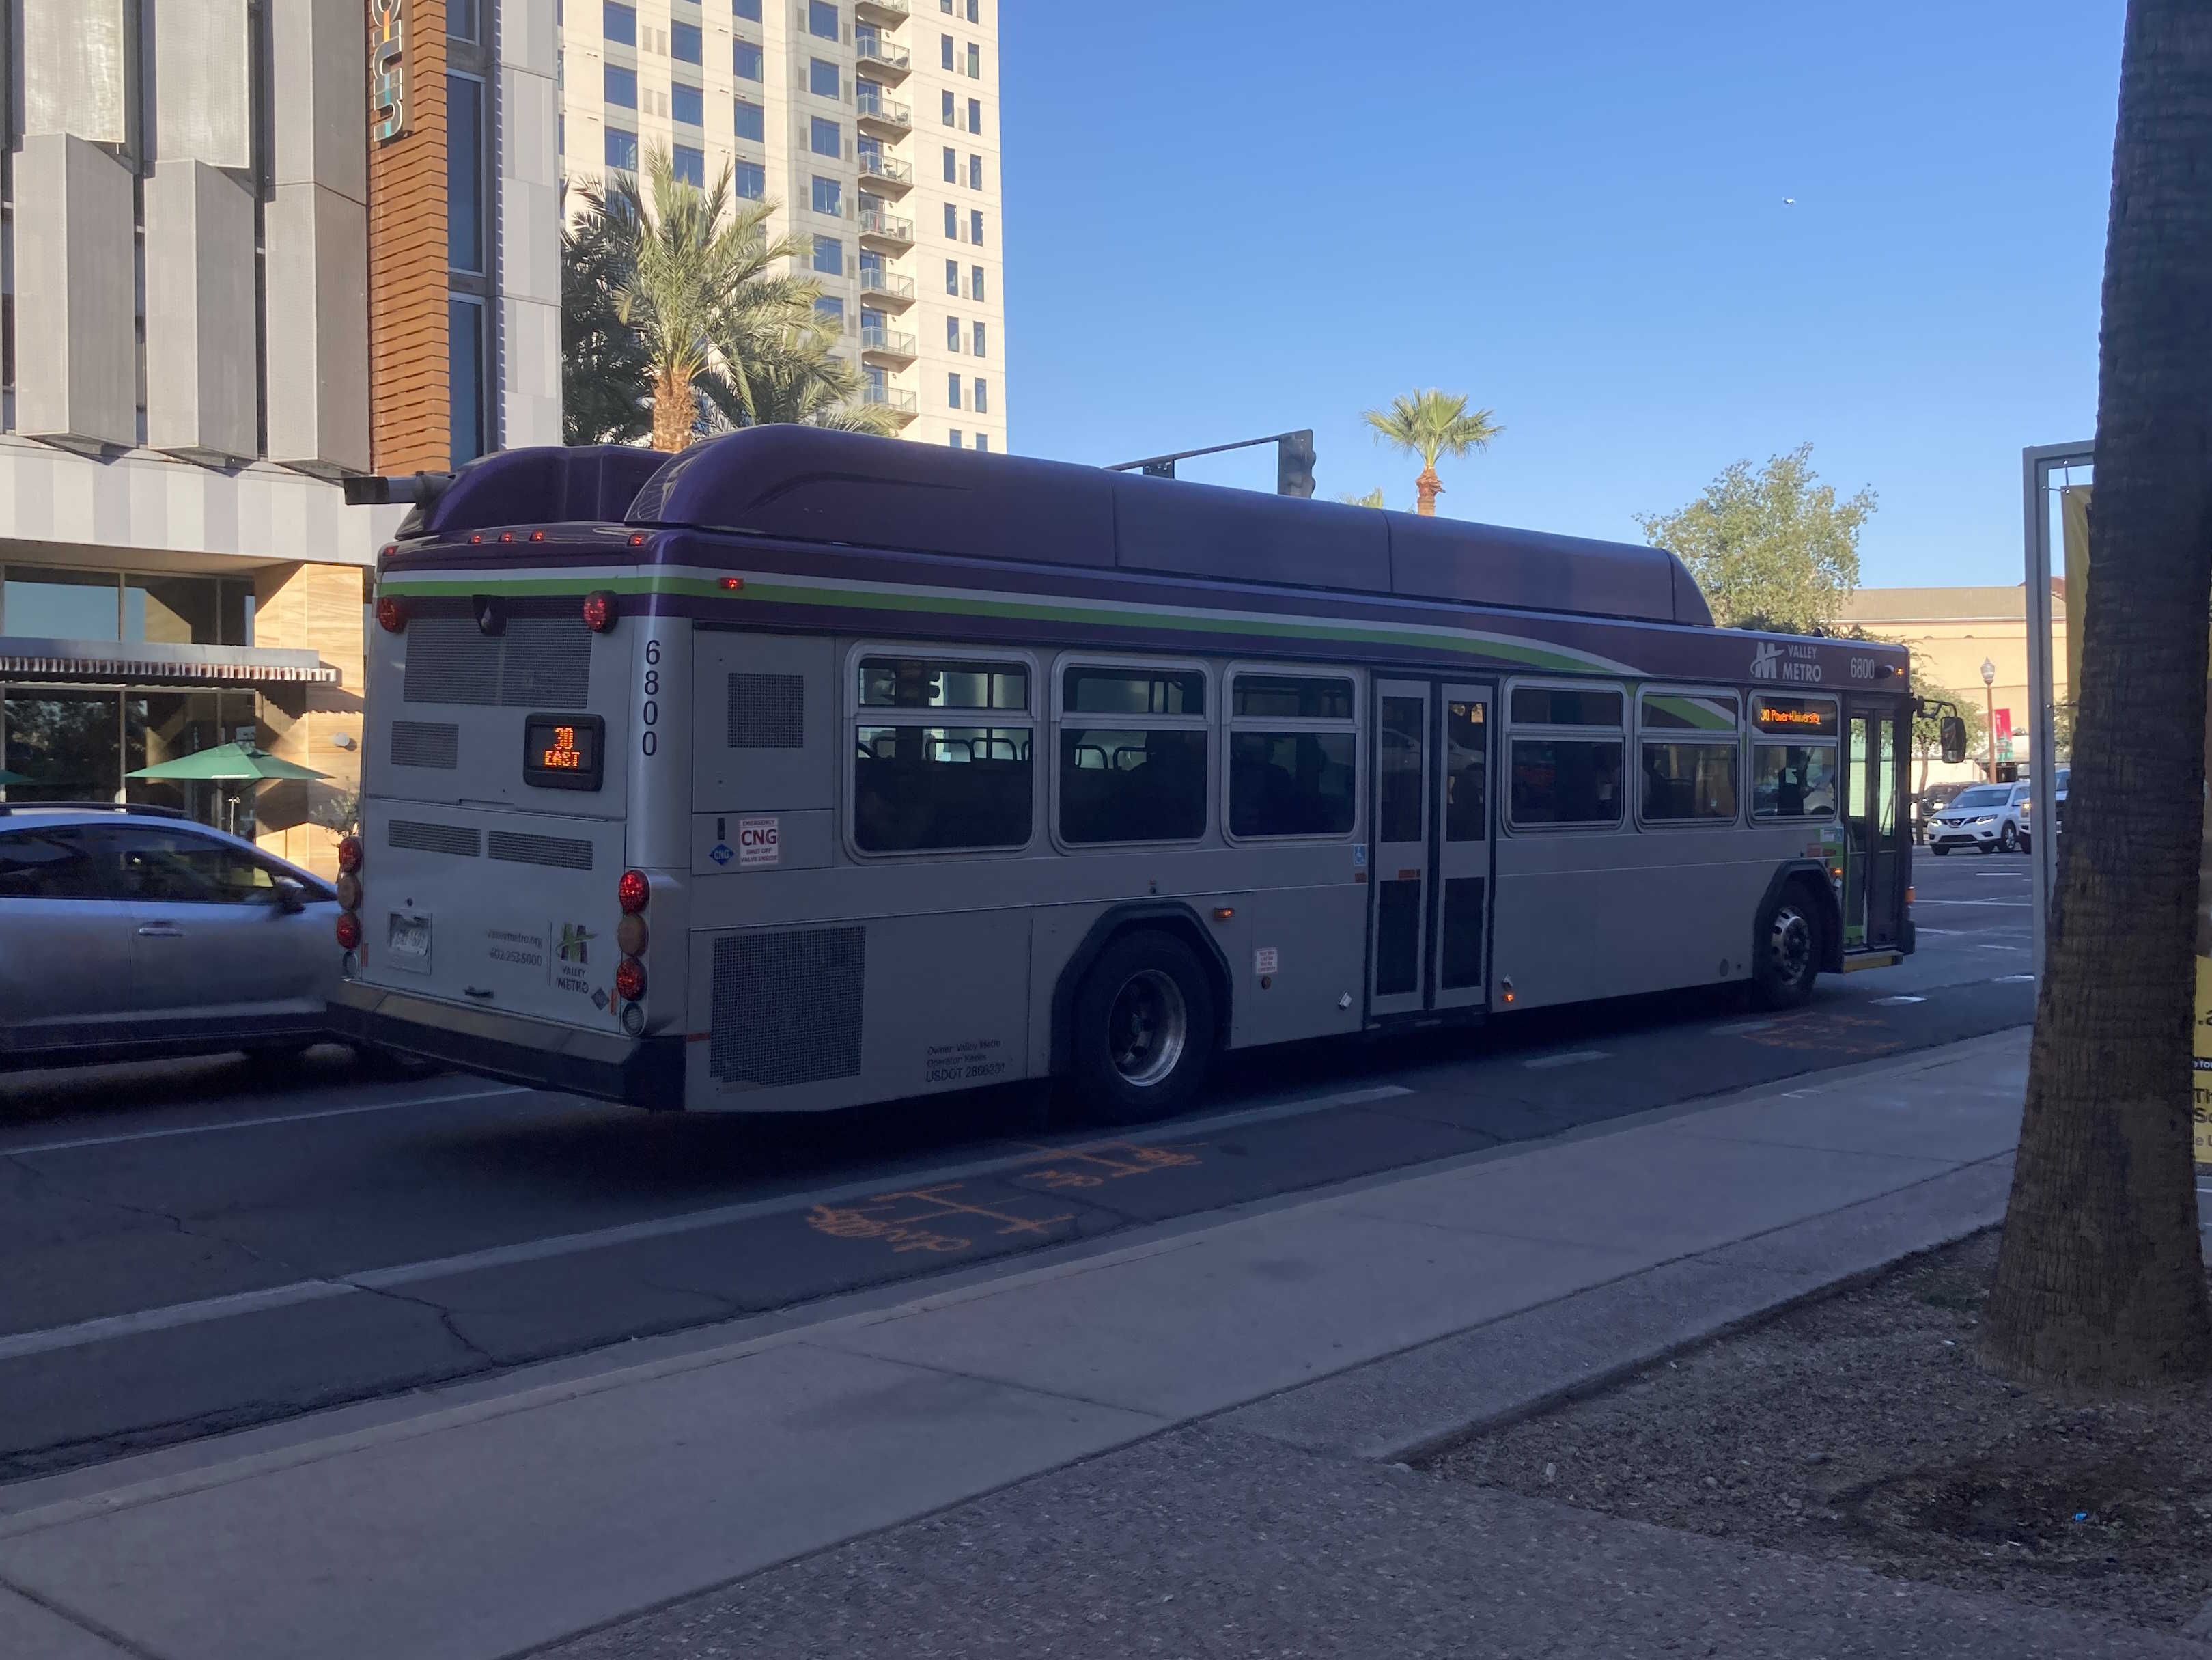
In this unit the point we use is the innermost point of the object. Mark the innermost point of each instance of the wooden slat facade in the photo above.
(410, 418)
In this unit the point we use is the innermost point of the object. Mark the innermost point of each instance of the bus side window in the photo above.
(1690, 750)
(1793, 756)
(1293, 756)
(1133, 753)
(922, 783)
(1567, 756)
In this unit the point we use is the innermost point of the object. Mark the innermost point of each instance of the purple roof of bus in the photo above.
(804, 483)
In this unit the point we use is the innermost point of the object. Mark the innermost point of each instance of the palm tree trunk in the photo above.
(675, 409)
(1427, 487)
(2100, 1282)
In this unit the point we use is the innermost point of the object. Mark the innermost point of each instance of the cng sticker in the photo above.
(759, 842)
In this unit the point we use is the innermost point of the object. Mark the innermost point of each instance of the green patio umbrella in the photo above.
(226, 762)
(8, 778)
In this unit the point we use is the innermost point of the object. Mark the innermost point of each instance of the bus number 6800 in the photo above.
(649, 716)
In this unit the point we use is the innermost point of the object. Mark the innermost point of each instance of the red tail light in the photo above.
(630, 936)
(348, 886)
(348, 930)
(633, 891)
(391, 614)
(599, 611)
(630, 979)
(349, 855)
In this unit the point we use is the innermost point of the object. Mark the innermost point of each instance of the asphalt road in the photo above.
(196, 1246)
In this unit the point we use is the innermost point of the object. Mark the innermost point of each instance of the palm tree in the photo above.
(792, 376)
(706, 285)
(606, 388)
(2099, 1281)
(1431, 424)
(1372, 499)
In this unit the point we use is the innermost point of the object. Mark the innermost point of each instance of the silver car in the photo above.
(1991, 817)
(133, 932)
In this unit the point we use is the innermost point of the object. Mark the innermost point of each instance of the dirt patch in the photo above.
(1862, 1429)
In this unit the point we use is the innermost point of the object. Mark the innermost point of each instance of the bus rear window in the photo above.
(927, 683)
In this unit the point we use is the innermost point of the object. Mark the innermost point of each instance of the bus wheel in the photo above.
(1143, 1029)
(1788, 946)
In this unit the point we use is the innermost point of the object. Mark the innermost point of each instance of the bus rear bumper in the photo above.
(640, 1071)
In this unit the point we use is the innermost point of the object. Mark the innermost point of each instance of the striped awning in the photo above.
(145, 663)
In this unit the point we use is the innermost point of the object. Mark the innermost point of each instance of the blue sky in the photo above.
(1227, 218)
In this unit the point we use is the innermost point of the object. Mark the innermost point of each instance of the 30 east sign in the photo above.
(387, 69)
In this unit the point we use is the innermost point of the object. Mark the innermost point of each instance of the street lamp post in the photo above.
(1989, 703)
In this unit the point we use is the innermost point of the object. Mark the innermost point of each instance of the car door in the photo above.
(66, 938)
(212, 940)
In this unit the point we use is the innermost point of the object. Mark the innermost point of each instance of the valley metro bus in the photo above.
(804, 769)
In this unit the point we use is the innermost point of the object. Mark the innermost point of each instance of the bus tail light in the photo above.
(350, 853)
(348, 930)
(632, 891)
(600, 610)
(630, 980)
(349, 887)
(391, 614)
(629, 935)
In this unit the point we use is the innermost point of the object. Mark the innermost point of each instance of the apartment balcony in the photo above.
(884, 14)
(886, 233)
(886, 287)
(880, 59)
(882, 345)
(886, 173)
(901, 405)
(886, 117)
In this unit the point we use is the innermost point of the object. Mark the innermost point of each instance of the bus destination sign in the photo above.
(1812, 715)
(563, 752)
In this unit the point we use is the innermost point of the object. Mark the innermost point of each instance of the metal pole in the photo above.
(1990, 731)
(2037, 462)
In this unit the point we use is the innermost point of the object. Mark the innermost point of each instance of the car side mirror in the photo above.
(292, 895)
(1954, 739)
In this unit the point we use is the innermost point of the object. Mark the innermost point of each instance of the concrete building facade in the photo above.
(225, 281)
(874, 124)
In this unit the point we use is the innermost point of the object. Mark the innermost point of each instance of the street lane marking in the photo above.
(2023, 904)
(1883, 1002)
(258, 1123)
(1744, 1028)
(1573, 1058)
(206, 1309)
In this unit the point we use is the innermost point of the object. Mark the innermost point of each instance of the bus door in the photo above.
(1874, 827)
(1431, 859)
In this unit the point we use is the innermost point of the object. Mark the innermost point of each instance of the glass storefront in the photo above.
(75, 744)
(45, 602)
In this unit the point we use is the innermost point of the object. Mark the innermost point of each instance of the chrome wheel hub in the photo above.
(1147, 1028)
(1789, 945)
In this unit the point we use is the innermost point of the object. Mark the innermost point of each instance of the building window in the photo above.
(747, 62)
(921, 786)
(690, 164)
(687, 43)
(829, 196)
(975, 115)
(821, 78)
(621, 87)
(983, 441)
(464, 367)
(619, 23)
(687, 104)
(951, 165)
(946, 52)
(951, 222)
(752, 120)
(748, 10)
(976, 226)
(831, 310)
(982, 396)
(59, 603)
(828, 138)
(621, 149)
(951, 117)
(975, 173)
(974, 62)
(952, 334)
(980, 347)
(956, 438)
(952, 392)
(462, 22)
(829, 255)
(945, 6)
(975, 11)
(975, 283)
(952, 277)
(749, 180)
(821, 20)
(465, 173)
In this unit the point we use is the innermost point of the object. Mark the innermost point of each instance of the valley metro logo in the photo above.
(1767, 662)
(575, 944)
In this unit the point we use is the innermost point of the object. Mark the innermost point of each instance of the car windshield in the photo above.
(1988, 795)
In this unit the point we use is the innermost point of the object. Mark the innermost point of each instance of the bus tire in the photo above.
(1788, 949)
(1143, 1030)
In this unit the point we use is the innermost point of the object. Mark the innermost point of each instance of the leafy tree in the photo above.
(1432, 424)
(1928, 729)
(1372, 499)
(606, 387)
(1772, 549)
(2062, 732)
(2100, 1282)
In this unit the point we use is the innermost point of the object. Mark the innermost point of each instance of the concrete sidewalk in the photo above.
(1322, 1338)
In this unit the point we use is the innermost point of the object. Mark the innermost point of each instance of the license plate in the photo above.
(407, 945)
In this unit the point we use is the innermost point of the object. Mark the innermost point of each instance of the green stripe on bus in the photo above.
(1104, 613)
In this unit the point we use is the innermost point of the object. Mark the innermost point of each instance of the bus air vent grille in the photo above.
(535, 662)
(426, 743)
(418, 838)
(557, 850)
(768, 711)
(787, 1005)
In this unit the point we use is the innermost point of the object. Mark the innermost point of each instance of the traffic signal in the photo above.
(1294, 463)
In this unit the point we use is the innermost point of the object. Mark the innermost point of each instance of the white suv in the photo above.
(1990, 817)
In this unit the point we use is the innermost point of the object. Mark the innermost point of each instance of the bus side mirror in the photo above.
(1954, 739)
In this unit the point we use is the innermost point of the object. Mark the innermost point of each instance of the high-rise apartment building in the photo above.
(247, 247)
(873, 123)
